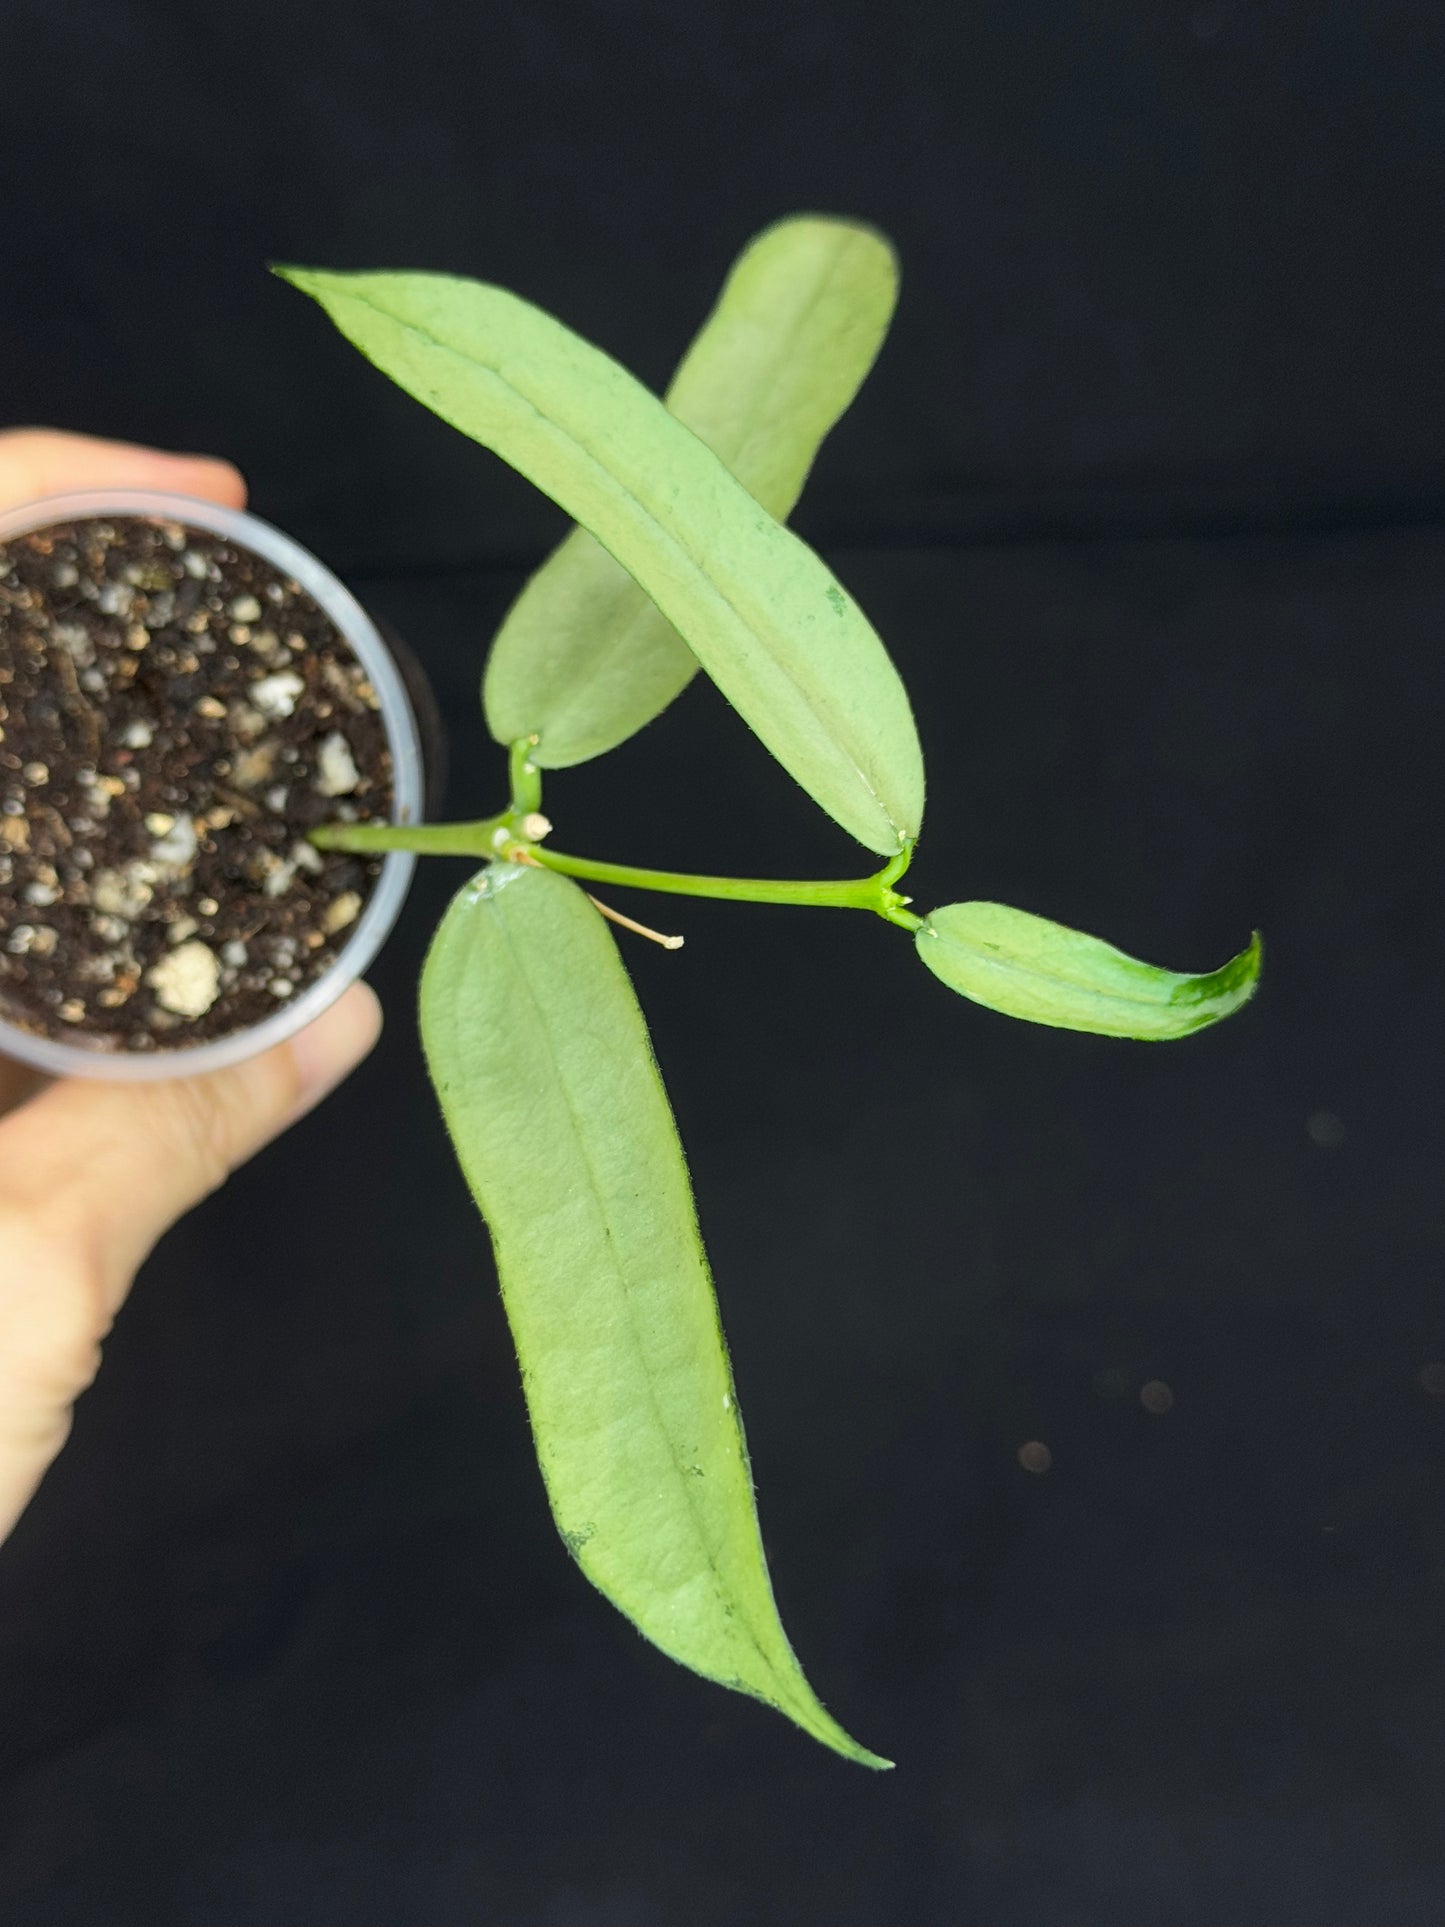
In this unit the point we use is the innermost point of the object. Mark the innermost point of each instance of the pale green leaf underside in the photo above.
(584, 659)
(1027, 967)
(785, 644)
(549, 1088)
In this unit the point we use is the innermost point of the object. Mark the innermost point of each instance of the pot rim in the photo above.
(383, 906)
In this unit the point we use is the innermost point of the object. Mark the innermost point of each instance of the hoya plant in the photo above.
(541, 1060)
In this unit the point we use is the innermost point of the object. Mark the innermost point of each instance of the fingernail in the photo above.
(335, 1044)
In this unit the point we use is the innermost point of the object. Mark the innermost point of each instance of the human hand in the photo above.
(92, 1173)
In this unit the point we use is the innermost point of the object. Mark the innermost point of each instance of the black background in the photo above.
(1146, 496)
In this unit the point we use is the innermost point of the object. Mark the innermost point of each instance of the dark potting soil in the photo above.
(175, 715)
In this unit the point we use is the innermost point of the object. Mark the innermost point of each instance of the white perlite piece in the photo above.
(124, 892)
(336, 771)
(188, 981)
(115, 599)
(341, 911)
(276, 695)
(99, 793)
(175, 847)
(280, 875)
(253, 767)
(246, 723)
(74, 638)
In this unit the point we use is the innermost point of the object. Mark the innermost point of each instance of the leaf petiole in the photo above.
(505, 836)
(480, 839)
(526, 777)
(874, 893)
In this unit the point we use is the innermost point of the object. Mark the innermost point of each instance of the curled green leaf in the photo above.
(546, 1077)
(788, 647)
(1027, 967)
(584, 659)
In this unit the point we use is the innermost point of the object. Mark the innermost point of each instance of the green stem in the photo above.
(497, 837)
(526, 777)
(426, 839)
(857, 893)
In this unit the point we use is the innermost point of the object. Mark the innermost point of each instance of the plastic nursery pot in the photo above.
(213, 692)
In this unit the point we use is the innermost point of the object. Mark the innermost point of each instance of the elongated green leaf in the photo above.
(584, 659)
(548, 1085)
(1027, 967)
(785, 644)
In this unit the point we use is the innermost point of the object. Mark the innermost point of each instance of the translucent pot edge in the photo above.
(383, 906)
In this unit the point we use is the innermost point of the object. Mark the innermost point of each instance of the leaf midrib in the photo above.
(620, 638)
(595, 1190)
(1107, 996)
(821, 717)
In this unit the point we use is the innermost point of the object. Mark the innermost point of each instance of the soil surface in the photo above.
(175, 715)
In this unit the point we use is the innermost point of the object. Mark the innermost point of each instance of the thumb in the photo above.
(109, 1167)
(36, 462)
(91, 1174)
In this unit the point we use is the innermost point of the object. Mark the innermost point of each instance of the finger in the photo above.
(35, 462)
(92, 1174)
(50, 1333)
(109, 1167)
